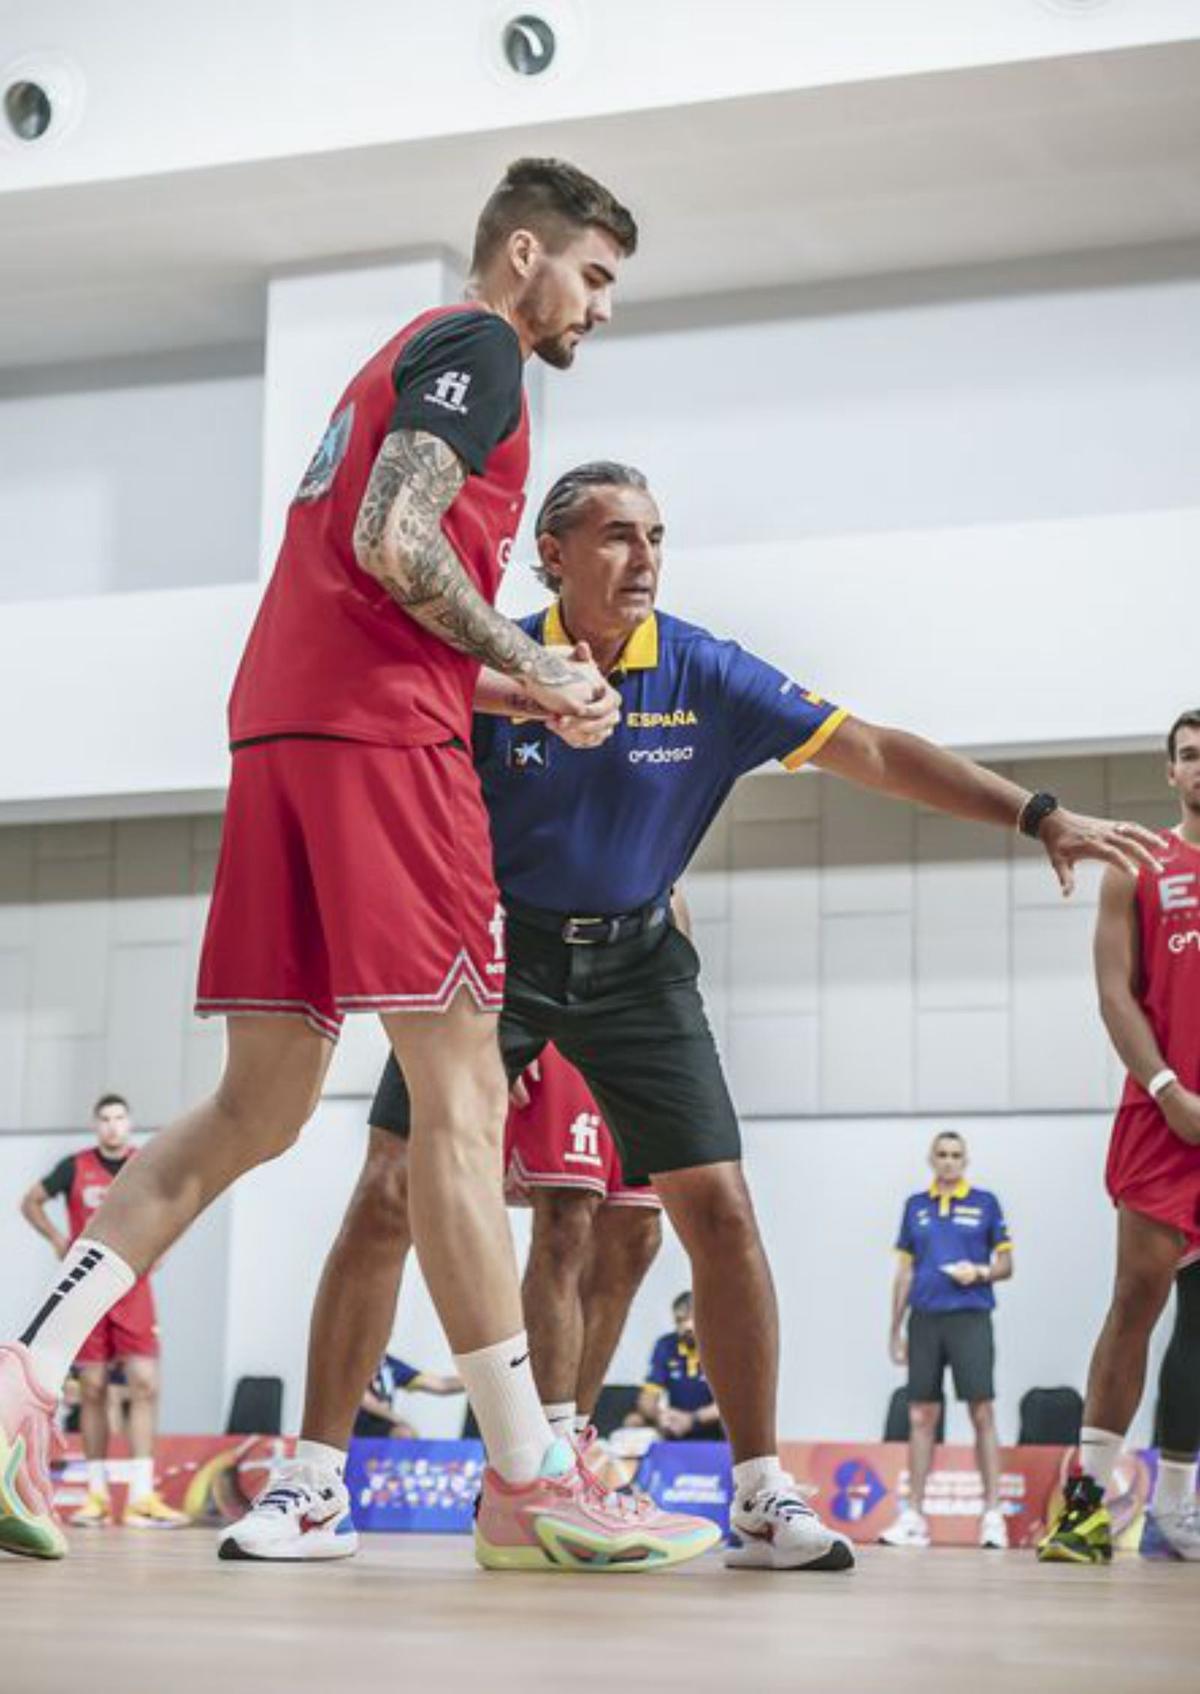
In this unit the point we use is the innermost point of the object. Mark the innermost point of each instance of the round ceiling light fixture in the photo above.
(41, 99)
(529, 45)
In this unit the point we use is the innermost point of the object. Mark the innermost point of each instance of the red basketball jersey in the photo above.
(90, 1183)
(1168, 907)
(330, 653)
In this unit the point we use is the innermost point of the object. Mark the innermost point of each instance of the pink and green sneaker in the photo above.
(567, 1520)
(28, 1523)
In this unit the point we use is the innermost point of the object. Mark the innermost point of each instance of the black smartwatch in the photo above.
(1034, 813)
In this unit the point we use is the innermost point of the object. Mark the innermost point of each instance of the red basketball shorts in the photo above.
(560, 1140)
(1150, 1170)
(352, 878)
(128, 1331)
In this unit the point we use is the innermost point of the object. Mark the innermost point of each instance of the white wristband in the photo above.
(1161, 1081)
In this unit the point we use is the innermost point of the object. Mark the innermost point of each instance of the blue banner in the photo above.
(690, 1476)
(414, 1486)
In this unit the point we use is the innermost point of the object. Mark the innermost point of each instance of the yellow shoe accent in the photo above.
(36, 1535)
(95, 1512)
(569, 1547)
(152, 1512)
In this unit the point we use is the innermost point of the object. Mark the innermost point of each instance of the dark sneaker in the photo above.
(1081, 1534)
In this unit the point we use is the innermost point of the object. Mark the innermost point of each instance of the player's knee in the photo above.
(923, 1415)
(265, 1126)
(143, 1387)
(982, 1414)
(562, 1228)
(1138, 1299)
(93, 1390)
(722, 1218)
(639, 1239)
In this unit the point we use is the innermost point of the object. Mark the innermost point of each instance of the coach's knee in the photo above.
(923, 1415)
(378, 1209)
(983, 1416)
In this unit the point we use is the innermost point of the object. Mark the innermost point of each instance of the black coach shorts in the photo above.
(962, 1340)
(630, 1018)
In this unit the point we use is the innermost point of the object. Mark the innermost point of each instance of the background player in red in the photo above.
(356, 866)
(126, 1335)
(1148, 975)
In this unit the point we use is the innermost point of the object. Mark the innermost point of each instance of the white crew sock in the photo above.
(1099, 1450)
(90, 1281)
(753, 1475)
(1174, 1487)
(141, 1479)
(500, 1387)
(97, 1470)
(560, 1415)
(581, 1423)
(321, 1456)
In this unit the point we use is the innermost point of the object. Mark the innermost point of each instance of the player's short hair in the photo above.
(1186, 720)
(109, 1100)
(556, 201)
(560, 509)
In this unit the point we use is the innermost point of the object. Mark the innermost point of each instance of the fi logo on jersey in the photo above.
(529, 750)
(318, 478)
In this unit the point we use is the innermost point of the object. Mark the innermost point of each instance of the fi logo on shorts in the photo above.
(529, 752)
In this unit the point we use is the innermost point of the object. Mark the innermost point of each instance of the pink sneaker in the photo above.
(28, 1523)
(567, 1520)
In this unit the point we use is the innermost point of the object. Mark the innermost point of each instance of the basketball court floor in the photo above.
(147, 1614)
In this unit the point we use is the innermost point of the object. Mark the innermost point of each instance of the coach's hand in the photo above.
(898, 1347)
(1069, 837)
(1181, 1108)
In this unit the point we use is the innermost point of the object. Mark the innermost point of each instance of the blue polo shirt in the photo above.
(393, 1374)
(675, 1368)
(610, 829)
(940, 1229)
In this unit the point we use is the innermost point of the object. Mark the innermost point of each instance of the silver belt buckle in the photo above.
(571, 931)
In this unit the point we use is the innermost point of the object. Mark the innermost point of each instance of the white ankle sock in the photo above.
(1175, 1486)
(560, 1415)
(582, 1423)
(501, 1390)
(754, 1474)
(141, 1478)
(97, 1470)
(90, 1280)
(1099, 1450)
(321, 1456)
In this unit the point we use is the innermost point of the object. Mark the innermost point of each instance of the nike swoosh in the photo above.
(513, 1363)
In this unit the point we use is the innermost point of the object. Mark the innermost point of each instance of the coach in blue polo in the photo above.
(953, 1247)
(588, 844)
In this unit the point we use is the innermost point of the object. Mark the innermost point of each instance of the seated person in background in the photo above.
(676, 1397)
(377, 1415)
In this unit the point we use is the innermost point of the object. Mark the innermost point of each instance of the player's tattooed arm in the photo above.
(398, 540)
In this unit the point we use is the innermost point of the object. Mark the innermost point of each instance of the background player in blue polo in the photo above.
(677, 1397)
(952, 1247)
(588, 846)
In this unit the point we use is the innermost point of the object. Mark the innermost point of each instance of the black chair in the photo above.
(617, 1400)
(1050, 1417)
(895, 1426)
(257, 1407)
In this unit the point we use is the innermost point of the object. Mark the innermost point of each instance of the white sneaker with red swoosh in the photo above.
(303, 1513)
(778, 1530)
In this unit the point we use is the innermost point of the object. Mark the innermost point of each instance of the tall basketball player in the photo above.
(1148, 974)
(356, 865)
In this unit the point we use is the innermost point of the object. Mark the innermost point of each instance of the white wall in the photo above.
(138, 475)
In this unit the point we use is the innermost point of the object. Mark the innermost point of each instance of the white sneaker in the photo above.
(303, 1513)
(909, 1530)
(1179, 1531)
(993, 1531)
(777, 1530)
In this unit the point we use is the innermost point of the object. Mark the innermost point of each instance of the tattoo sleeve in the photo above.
(398, 539)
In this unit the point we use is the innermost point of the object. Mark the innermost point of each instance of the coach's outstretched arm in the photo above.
(909, 768)
(398, 540)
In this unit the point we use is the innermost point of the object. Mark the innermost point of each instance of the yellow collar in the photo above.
(640, 652)
(959, 1192)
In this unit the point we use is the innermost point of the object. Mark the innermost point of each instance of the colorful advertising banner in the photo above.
(430, 1486)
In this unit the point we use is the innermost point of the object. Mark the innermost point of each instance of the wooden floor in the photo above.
(159, 1614)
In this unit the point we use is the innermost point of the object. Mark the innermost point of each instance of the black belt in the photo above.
(581, 930)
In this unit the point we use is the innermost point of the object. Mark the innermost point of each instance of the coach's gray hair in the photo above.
(559, 510)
